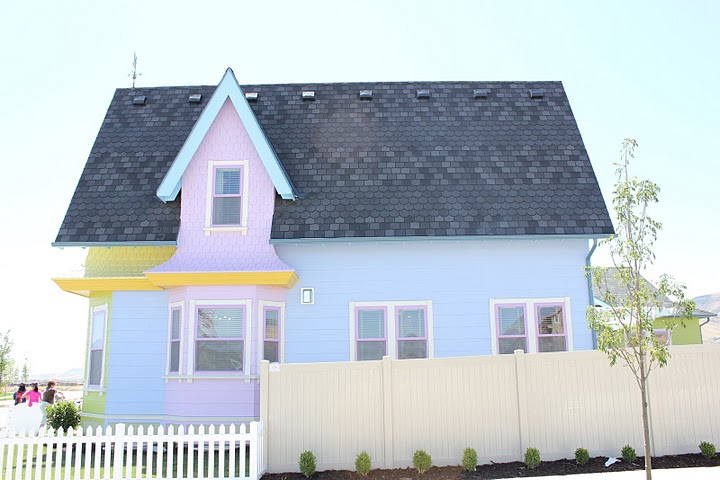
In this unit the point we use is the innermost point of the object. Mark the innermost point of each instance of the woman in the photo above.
(18, 396)
(33, 396)
(48, 398)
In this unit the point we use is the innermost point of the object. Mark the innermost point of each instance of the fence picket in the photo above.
(122, 452)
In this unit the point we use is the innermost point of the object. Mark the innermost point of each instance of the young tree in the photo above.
(625, 327)
(25, 370)
(6, 361)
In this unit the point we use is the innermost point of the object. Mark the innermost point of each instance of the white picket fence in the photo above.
(130, 453)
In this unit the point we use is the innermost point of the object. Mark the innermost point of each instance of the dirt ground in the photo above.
(509, 470)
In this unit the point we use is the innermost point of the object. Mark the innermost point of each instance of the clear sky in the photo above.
(643, 69)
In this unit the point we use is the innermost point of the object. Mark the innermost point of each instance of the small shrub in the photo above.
(707, 449)
(63, 415)
(582, 456)
(469, 461)
(422, 461)
(307, 463)
(363, 463)
(628, 454)
(532, 458)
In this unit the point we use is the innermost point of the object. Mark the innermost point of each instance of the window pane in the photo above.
(509, 345)
(511, 320)
(272, 351)
(96, 358)
(226, 211)
(662, 336)
(550, 319)
(220, 322)
(219, 355)
(271, 324)
(412, 349)
(551, 344)
(411, 323)
(98, 331)
(227, 181)
(371, 323)
(174, 356)
(175, 328)
(370, 350)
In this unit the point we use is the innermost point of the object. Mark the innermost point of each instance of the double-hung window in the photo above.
(219, 339)
(531, 325)
(174, 350)
(227, 196)
(371, 333)
(97, 346)
(271, 335)
(396, 329)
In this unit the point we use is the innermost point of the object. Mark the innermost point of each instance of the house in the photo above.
(319, 223)
(685, 332)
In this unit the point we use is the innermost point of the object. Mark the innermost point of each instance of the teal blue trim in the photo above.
(429, 239)
(227, 88)
(113, 244)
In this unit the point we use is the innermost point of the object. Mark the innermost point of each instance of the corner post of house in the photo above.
(388, 411)
(521, 382)
(265, 408)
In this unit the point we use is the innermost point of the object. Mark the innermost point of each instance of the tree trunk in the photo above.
(646, 419)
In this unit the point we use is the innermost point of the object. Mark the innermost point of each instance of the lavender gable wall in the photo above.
(226, 140)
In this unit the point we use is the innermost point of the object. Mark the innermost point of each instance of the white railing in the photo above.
(135, 453)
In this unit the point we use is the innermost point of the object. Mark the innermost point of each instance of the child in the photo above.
(33, 395)
(18, 396)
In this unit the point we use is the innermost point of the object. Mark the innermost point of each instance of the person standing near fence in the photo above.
(33, 395)
(18, 396)
(48, 398)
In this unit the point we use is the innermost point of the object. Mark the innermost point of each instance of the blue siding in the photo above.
(137, 353)
(459, 277)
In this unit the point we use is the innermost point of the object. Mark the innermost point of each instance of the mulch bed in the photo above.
(510, 470)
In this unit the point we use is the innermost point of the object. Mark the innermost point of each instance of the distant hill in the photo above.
(711, 303)
(74, 375)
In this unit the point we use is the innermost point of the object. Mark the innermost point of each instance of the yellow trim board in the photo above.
(161, 281)
(279, 279)
(83, 286)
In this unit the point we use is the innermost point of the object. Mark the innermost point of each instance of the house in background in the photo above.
(686, 332)
(322, 223)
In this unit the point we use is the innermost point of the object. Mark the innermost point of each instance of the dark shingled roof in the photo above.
(395, 165)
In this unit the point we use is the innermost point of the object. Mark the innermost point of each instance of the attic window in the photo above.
(537, 93)
(423, 93)
(140, 100)
(365, 94)
(251, 96)
(308, 95)
(195, 98)
(480, 93)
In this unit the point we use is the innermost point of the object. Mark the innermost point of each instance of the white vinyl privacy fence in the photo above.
(128, 453)
(499, 405)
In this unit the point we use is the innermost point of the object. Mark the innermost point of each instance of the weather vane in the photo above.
(134, 74)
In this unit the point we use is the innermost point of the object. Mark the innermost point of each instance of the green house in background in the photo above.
(686, 333)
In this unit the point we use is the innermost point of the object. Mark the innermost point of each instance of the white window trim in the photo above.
(247, 343)
(531, 320)
(172, 306)
(245, 174)
(391, 332)
(261, 329)
(105, 309)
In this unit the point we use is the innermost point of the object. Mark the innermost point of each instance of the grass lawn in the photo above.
(5, 396)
